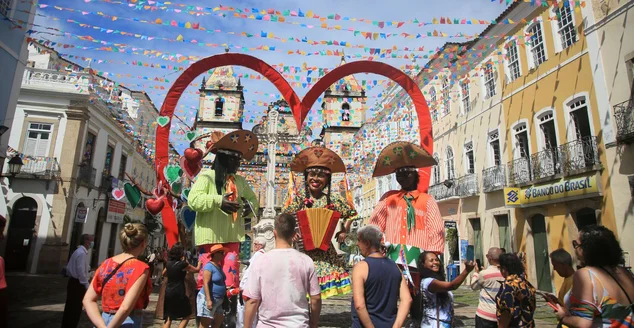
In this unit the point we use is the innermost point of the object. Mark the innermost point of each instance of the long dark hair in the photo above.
(307, 190)
(176, 252)
(220, 166)
(442, 298)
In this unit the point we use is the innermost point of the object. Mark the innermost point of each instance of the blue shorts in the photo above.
(134, 320)
(203, 311)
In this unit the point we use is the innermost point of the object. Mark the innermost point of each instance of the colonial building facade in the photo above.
(77, 135)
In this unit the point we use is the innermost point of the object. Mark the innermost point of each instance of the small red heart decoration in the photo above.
(193, 154)
(154, 205)
(118, 194)
(191, 169)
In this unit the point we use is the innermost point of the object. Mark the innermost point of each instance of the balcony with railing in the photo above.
(106, 182)
(468, 185)
(493, 178)
(624, 116)
(36, 78)
(519, 171)
(444, 190)
(545, 164)
(575, 157)
(87, 175)
(39, 167)
(580, 156)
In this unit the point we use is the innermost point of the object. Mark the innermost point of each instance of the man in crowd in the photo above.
(488, 282)
(78, 272)
(258, 246)
(562, 264)
(279, 282)
(377, 285)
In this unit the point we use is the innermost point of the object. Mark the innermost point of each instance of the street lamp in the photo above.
(15, 165)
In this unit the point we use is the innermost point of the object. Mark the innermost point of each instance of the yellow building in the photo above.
(556, 173)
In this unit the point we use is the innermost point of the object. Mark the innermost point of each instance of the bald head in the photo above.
(494, 255)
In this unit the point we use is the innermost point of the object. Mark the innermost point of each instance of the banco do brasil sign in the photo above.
(580, 187)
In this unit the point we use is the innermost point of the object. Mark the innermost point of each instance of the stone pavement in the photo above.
(38, 301)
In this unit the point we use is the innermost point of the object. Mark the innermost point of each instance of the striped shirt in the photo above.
(213, 225)
(390, 215)
(489, 281)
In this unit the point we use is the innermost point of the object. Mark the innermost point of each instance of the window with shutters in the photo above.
(432, 103)
(566, 26)
(5, 7)
(124, 163)
(470, 163)
(436, 171)
(108, 165)
(536, 45)
(88, 148)
(449, 165)
(466, 99)
(38, 139)
(512, 61)
(445, 96)
(489, 80)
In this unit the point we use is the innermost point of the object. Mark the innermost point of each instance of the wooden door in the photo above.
(540, 246)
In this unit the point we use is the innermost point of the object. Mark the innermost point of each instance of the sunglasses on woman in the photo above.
(575, 244)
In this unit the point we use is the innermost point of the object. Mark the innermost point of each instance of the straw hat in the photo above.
(318, 157)
(217, 248)
(240, 142)
(401, 154)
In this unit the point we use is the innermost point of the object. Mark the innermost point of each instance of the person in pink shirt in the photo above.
(279, 282)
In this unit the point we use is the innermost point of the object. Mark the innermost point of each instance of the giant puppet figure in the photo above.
(409, 219)
(219, 196)
(317, 164)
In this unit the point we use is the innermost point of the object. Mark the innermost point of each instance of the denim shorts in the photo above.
(134, 320)
(203, 311)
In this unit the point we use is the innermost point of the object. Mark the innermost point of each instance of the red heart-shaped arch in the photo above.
(299, 108)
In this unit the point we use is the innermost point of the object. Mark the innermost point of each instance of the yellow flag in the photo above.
(179, 38)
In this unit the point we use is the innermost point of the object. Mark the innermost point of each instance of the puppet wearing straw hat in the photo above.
(317, 164)
(409, 219)
(219, 198)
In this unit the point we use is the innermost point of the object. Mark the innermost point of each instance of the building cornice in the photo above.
(609, 17)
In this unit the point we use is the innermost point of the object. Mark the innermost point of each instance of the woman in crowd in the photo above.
(122, 282)
(176, 306)
(318, 164)
(211, 296)
(437, 302)
(516, 298)
(602, 292)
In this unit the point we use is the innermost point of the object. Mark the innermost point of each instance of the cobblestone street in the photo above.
(38, 301)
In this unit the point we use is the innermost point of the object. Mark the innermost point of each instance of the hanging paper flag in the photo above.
(179, 38)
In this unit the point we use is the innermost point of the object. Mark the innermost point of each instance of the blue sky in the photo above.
(394, 10)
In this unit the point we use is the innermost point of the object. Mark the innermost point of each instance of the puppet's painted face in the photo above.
(232, 164)
(407, 179)
(317, 181)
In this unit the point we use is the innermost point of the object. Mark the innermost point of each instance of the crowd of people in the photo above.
(400, 280)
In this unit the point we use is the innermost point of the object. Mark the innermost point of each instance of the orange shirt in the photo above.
(113, 293)
(390, 215)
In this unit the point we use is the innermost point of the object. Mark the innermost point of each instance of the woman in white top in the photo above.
(437, 304)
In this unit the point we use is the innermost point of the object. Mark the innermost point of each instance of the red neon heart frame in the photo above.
(299, 108)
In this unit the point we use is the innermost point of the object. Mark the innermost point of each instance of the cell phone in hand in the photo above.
(470, 253)
(479, 264)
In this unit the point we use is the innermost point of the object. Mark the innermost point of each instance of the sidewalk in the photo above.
(38, 301)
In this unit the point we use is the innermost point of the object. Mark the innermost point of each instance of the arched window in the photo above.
(436, 171)
(449, 165)
(345, 112)
(220, 105)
